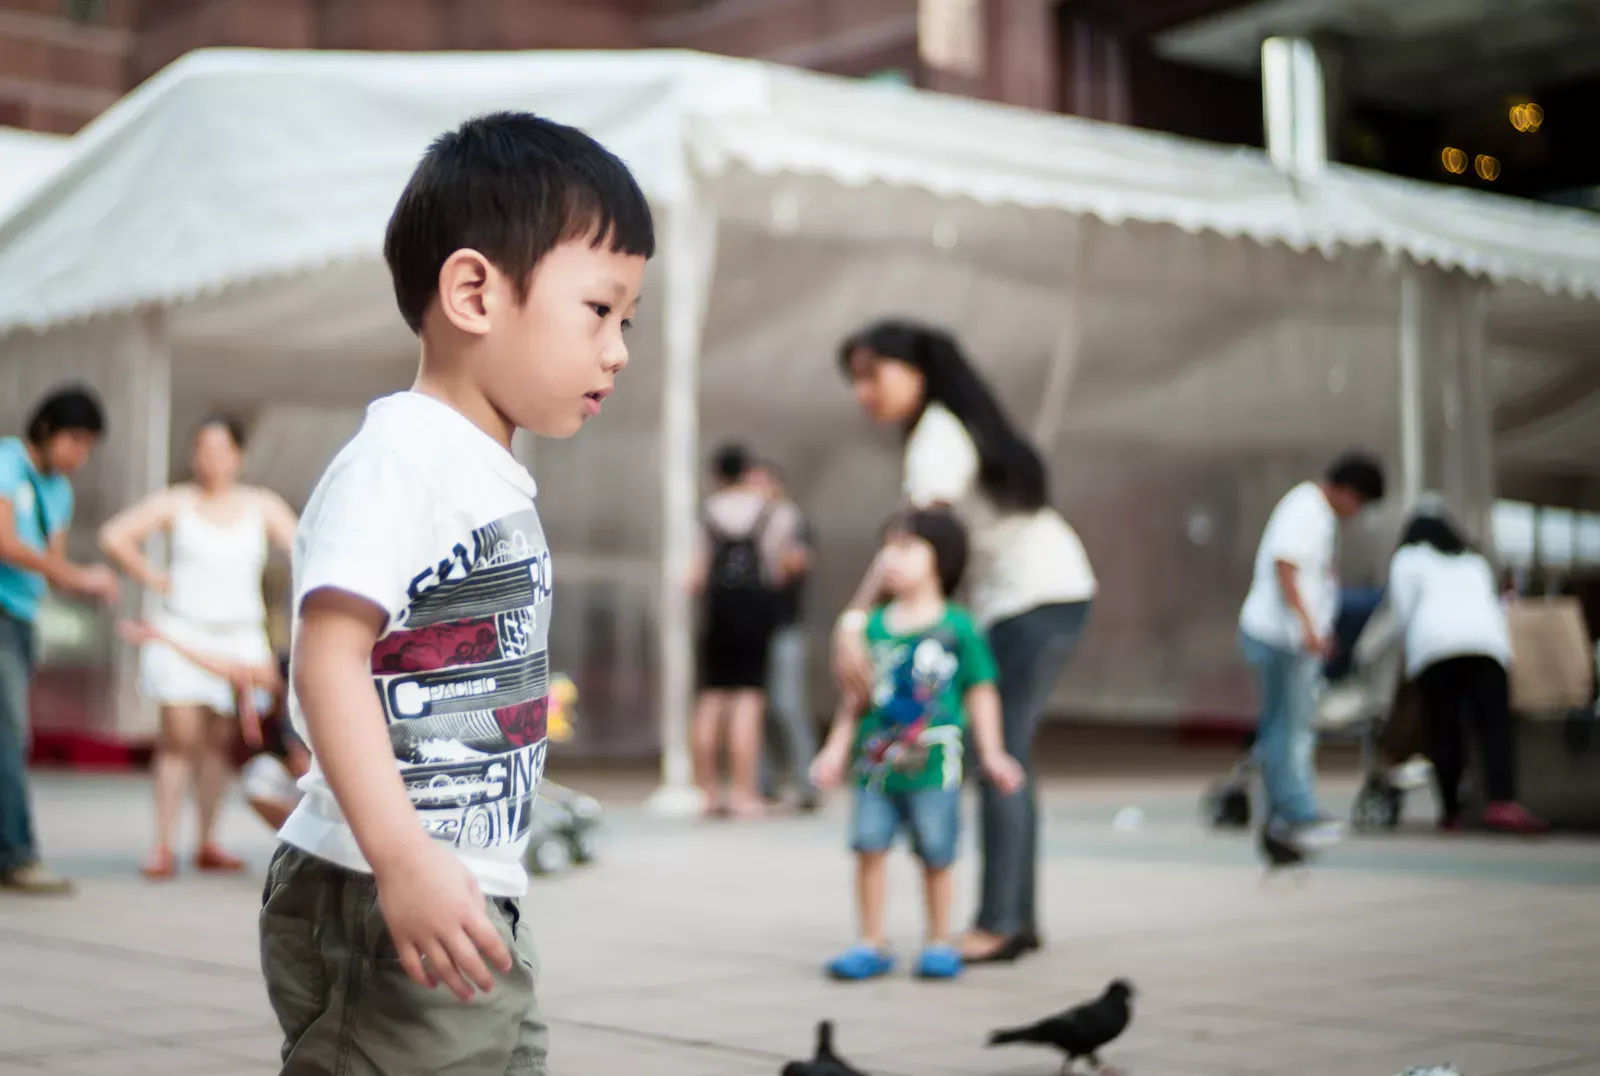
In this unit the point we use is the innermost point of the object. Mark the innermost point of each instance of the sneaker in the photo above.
(1511, 817)
(36, 879)
(939, 961)
(861, 962)
(1411, 774)
(1318, 835)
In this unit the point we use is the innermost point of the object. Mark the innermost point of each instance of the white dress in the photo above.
(214, 607)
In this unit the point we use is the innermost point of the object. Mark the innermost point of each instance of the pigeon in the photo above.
(826, 1062)
(1080, 1031)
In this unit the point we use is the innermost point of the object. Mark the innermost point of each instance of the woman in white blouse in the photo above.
(1029, 583)
(1457, 645)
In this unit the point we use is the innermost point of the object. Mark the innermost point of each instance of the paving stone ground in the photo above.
(695, 949)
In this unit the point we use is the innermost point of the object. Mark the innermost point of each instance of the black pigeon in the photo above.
(826, 1062)
(1080, 1031)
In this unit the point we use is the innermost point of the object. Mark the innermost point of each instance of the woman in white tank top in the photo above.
(219, 536)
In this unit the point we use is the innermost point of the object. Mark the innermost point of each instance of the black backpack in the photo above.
(739, 598)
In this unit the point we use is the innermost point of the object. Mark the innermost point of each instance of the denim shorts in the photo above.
(931, 815)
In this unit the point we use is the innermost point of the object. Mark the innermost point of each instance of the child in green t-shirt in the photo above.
(934, 673)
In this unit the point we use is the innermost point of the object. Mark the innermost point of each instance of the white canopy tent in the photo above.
(1186, 329)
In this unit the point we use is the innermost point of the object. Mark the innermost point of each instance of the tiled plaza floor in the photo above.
(694, 950)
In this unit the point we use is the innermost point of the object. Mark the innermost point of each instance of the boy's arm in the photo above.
(829, 767)
(429, 898)
(983, 710)
(1289, 586)
(345, 721)
(372, 533)
(97, 581)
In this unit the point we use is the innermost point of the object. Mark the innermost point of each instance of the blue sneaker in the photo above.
(861, 962)
(939, 962)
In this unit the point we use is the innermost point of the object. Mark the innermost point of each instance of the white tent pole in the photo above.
(144, 364)
(690, 257)
(1064, 359)
(1411, 400)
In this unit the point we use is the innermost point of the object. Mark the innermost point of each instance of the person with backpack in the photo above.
(747, 537)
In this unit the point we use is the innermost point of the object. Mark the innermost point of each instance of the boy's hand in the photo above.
(98, 582)
(1004, 772)
(827, 769)
(439, 922)
(249, 715)
(138, 632)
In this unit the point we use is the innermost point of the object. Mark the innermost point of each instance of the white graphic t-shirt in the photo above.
(1303, 531)
(430, 518)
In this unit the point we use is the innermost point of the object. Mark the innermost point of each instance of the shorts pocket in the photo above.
(296, 977)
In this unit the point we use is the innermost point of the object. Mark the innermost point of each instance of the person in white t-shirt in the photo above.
(1029, 583)
(1458, 648)
(1286, 633)
(422, 596)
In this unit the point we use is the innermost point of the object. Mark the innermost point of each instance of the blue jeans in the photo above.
(16, 672)
(1030, 652)
(790, 705)
(931, 815)
(1285, 741)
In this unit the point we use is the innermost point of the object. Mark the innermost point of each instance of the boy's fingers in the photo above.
(470, 962)
(444, 970)
(487, 940)
(411, 960)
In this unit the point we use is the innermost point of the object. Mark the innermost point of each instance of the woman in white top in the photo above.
(1458, 647)
(1029, 582)
(219, 535)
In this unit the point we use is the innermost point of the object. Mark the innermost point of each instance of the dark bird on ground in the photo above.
(1081, 1031)
(826, 1062)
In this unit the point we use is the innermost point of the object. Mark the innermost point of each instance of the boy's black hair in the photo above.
(232, 426)
(731, 462)
(1360, 473)
(511, 186)
(75, 407)
(940, 528)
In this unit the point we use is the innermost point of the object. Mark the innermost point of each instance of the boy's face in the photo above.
(67, 451)
(908, 563)
(552, 360)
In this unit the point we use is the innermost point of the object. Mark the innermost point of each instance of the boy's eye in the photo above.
(601, 308)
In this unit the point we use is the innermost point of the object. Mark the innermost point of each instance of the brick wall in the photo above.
(57, 73)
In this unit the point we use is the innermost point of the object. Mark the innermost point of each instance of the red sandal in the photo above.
(212, 858)
(161, 865)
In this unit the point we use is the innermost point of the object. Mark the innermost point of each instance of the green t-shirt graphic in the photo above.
(910, 737)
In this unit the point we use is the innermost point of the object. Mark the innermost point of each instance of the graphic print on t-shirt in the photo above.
(465, 676)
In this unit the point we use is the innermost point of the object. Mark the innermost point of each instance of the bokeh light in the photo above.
(1455, 161)
(1486, 166)
(1527, 117)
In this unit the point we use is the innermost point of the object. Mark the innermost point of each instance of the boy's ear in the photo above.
(465, 284)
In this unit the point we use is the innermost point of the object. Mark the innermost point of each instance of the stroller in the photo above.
(565, 821)
(1360, 697)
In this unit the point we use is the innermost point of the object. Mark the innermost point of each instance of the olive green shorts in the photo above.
(348, 1008)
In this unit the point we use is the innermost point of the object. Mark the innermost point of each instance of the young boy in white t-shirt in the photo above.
(391, 935)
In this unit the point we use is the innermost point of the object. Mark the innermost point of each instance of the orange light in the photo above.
(1454, 161)
(1527, 117)
(1486, 166)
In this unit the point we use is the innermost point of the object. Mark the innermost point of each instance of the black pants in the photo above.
(1457, 692)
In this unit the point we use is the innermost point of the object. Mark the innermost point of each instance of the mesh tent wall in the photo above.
(1188, 330)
